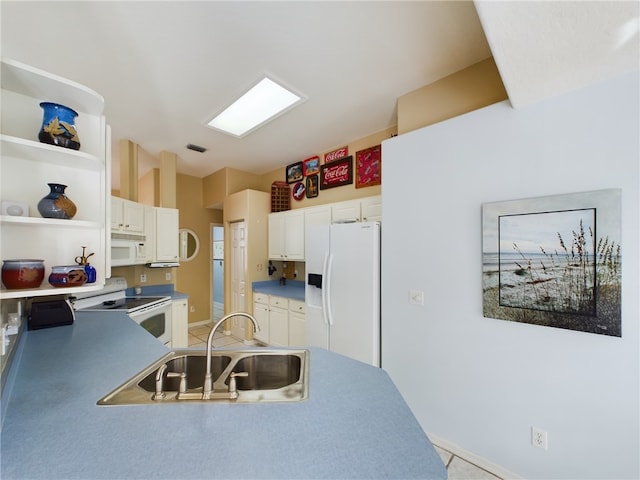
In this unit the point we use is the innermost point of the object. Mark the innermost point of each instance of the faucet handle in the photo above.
(233, 388)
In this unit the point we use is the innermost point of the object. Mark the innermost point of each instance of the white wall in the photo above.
(480, 383)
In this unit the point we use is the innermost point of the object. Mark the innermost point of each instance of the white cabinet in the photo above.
(297, 324)
(127, 216)
(28, 165)
(278, 321)
(261, 314)
(180, 323)
(281, 320)
(346, 211)
(317, 216)
(371, 209)
(166, 235)
(366, 209)
(286, 235)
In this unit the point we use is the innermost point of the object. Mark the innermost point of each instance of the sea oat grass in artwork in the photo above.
(567, 278)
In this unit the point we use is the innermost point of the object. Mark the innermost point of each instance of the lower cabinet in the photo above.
(281, 320)
(297, 324)
(180, 323)
(261, 314)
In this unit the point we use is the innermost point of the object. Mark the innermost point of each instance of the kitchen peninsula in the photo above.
(354, 424)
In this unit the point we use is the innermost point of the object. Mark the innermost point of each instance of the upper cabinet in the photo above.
(166, 235)
(28, 166)
(371, 209)
(127, 216)
(286, 235)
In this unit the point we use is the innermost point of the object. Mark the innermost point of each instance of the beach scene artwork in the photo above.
(554, 261)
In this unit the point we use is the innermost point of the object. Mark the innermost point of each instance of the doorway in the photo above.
(217, 272)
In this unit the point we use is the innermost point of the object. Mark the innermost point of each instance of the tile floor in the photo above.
(457, 467)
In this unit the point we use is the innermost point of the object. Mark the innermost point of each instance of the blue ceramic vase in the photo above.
(58, 126)
(56, 204)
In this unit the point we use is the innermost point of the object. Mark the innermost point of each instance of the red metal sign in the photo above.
(336, 154)
(334, 174)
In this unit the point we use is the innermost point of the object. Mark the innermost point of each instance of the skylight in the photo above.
(262, 103)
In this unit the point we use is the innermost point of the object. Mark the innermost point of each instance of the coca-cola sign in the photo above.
(336, 154)
(334, 174)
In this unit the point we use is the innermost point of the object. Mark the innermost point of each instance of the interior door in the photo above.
(237, 275)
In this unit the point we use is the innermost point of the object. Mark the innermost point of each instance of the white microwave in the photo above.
(128, 252)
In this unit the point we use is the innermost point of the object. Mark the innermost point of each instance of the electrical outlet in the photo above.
(416, 297)
(143, 278)
(192, 308)
(167, 276)
(539, 438)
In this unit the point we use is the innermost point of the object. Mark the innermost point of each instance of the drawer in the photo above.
(296, 306)
(279, 302)
(261, 298)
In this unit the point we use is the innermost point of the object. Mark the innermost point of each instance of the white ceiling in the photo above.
(165, 68)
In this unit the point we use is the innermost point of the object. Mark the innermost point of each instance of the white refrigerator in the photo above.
(342, 290)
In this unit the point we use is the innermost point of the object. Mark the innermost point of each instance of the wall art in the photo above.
(298, 191)
(294, 172)
(369, 167)
(555, 261)
(312, 186)
(311, 166)
(336, 173)
(337, 154)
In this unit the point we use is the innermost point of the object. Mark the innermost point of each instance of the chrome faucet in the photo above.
(208, 384)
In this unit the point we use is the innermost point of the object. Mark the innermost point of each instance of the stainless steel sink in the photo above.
(264, 375)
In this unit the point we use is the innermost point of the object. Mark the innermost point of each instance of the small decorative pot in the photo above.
(56, 204)
(22, 273)
(58, 126)
(68, 276)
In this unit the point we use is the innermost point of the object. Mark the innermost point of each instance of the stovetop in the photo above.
(127, 303)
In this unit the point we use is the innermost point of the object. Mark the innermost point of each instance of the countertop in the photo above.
(354, 424)
(292, 289)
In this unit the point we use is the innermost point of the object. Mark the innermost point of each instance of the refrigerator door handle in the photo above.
(326, 289)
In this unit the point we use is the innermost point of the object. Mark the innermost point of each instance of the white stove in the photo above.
(152, 313)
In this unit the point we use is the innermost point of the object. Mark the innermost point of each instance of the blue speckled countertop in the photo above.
(292, 289)
(167, 290)
(354, 424)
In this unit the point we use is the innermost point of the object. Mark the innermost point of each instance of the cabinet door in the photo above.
(261, 314)
(133, 215)
(279, 327)
(180, 324)
(345, 211)
(166, 234)
(294, 235)
(371, 209)
(314, 216)
(117, 219)
(276, 236)
(297, 324)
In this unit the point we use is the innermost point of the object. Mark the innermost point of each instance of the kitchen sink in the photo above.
(264, 375)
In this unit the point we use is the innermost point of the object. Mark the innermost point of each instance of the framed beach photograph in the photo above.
(554, 261)
(294, 173)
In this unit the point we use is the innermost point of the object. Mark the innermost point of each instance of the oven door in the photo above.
(155, 319)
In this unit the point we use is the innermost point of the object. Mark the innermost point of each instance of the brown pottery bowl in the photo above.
(27, 273)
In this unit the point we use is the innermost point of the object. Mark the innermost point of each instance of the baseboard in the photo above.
(483, 463)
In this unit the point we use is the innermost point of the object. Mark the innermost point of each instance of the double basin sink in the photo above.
(252, 375)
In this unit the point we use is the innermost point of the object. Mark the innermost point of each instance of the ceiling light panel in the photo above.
(262, 103)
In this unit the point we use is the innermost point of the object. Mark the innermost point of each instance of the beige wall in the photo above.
(224, 182)
(470, 89)
(194, 276)
(336, 194)
(251, 207)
